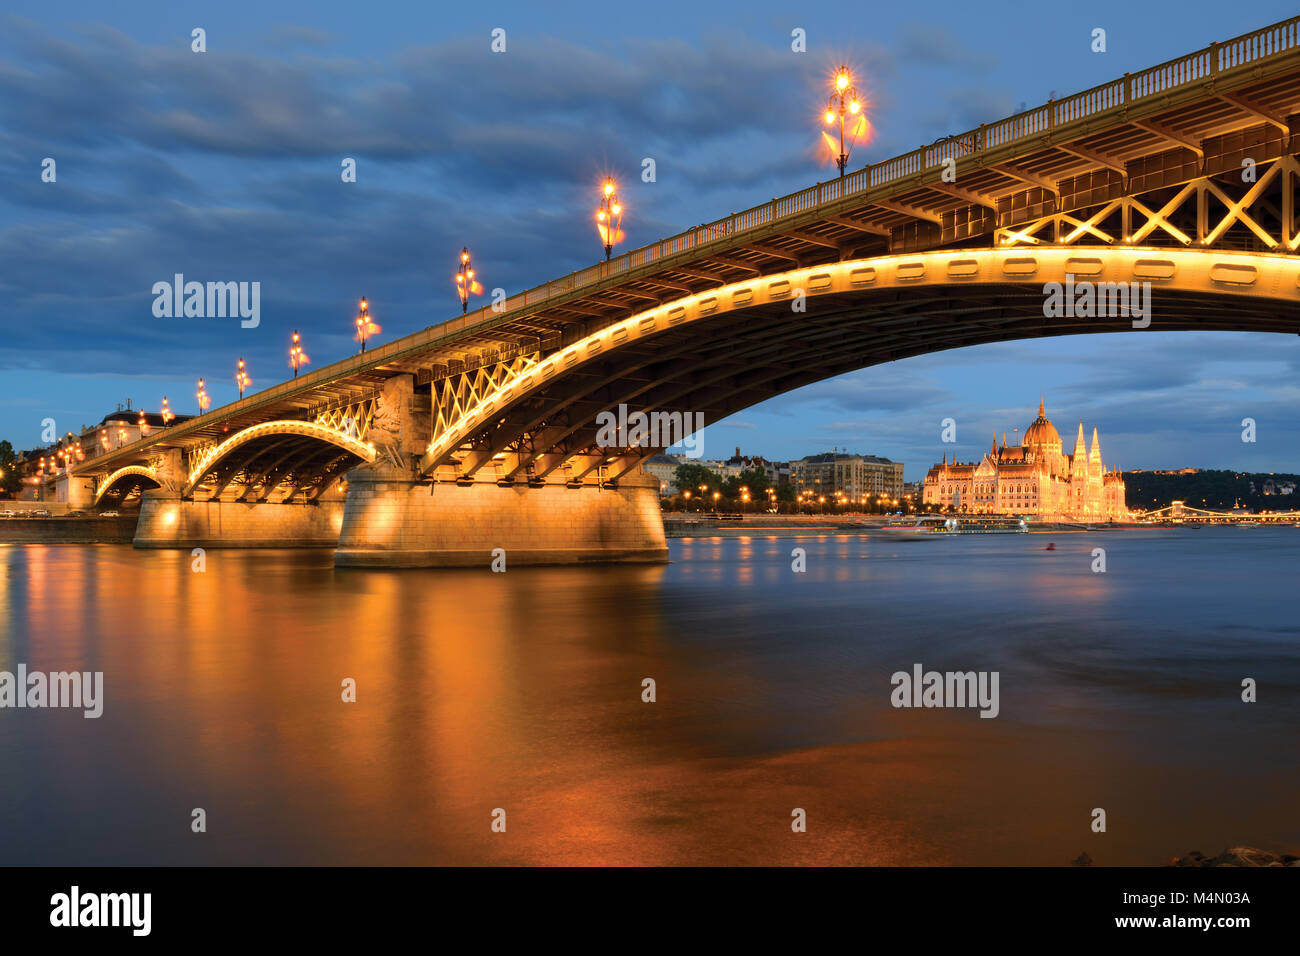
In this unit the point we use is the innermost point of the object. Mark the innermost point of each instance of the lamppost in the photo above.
(465, 283)
(241, 377)
(365, 327)
(686, 495)
(297, 357)
(167, 413)
(202, 395)
(609, 218)
(843, 100)
(142, 423)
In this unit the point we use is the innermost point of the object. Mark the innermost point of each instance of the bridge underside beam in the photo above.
(738, 360)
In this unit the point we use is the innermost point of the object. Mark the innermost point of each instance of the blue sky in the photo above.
(225, 166)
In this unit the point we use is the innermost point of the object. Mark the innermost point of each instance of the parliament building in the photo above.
(1032, 478)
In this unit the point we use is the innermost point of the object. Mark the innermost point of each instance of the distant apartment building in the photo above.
(855, 476)
(776, 471)
(664, 468)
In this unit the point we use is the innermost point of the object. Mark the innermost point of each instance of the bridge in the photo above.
(481, 432)
(1179, 512)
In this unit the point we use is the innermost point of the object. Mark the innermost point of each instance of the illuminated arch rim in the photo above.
(363, 450)
(1262, 275)
(121, 473)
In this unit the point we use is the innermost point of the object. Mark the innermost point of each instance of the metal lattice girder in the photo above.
(453, 396)
(106, 484)
(718, 352)
(224, 464)
(349, 417)
(1265, 207)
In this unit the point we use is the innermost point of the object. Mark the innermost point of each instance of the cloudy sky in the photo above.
(225, 165)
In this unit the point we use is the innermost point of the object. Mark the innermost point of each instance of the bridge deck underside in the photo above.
(283, 466)
(125, 492)
(750, 356)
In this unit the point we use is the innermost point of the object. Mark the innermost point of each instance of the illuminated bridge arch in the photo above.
(122, 481)
(723, 350)
(300, 456)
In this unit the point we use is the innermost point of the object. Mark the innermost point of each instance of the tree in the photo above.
(690, 476)
(10, 480)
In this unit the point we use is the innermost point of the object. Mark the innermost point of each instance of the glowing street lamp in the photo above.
(202, 396)
(167, 414)
(241, 377)
(843, 102)
(142, 423)
(365, 327)
(609, 218)
(465, 283)
(297, 357)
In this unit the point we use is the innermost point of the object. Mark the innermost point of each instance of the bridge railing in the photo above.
(1250, 48)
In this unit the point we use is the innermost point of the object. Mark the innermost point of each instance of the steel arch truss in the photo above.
(124, 480)
(712, 354)
(456, 394)
(1223, 211)
(300, 457)
(351, 418)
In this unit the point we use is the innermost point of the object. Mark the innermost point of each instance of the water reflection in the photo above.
(523, 691)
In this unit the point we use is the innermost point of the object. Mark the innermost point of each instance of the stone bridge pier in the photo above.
(168, 520)
(393, 517)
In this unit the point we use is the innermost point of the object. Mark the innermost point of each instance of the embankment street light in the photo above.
(241, 377)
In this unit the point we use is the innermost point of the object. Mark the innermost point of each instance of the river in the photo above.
(522, 692)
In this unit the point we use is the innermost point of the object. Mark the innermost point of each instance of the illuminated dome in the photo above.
(1041, 434)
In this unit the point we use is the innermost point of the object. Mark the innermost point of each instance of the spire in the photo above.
(994, 452)
(1095, 454)
(1042, 413)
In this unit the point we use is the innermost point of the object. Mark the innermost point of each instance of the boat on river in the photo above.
(957, 524)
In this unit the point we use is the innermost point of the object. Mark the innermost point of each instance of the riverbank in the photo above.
(693, 526)
(59, 529)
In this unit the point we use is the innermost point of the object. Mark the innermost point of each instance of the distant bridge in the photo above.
(1183, 176)
(1179, 512)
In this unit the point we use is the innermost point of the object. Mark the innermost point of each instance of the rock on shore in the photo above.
(1237, 856)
